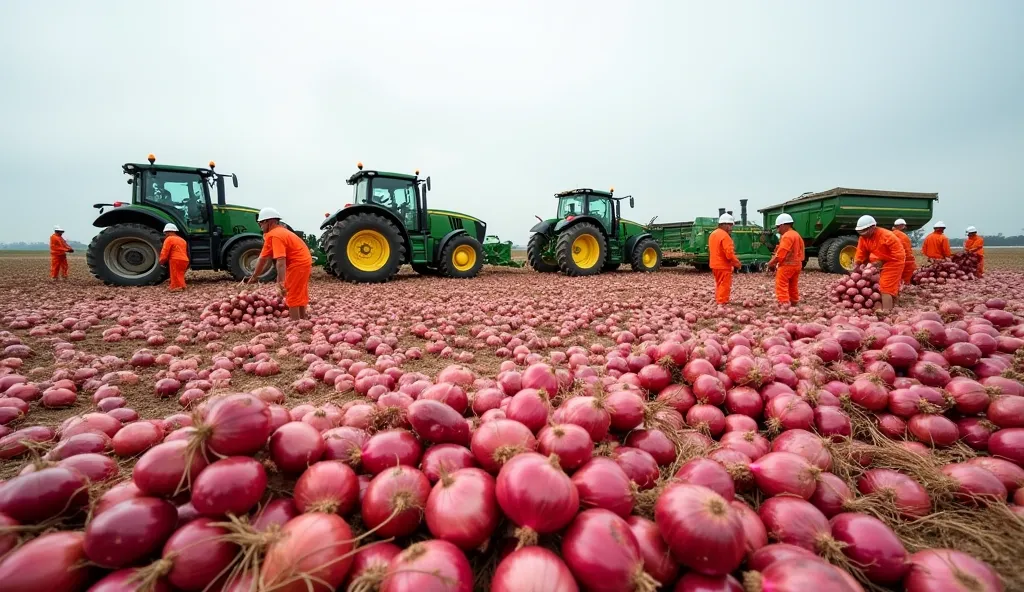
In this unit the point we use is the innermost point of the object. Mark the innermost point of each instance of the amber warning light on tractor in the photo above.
(151, 158)
(359, 165)
(213, 164)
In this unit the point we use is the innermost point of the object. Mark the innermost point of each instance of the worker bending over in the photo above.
(722, 258)
(59, 249)
(292, 258)
(175, 256)
(936, 245)
(975, 244)
(878, 245)
(909, 264)
(788, 261)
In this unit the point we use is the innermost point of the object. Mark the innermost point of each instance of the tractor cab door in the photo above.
(186, 197)
(399, 196)
(601, 208)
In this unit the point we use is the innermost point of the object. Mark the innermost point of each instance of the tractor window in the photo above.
(601, 208)
(182, 193)
(570, 206)
(359, 191)
(397, 195)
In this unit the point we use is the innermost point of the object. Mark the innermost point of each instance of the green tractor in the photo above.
(589, 236)
(219, 236)
(388, 224)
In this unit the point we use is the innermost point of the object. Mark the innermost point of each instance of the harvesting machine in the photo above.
(219, 236)
(388, 224)
(589, 236)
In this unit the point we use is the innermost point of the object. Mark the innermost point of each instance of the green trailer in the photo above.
(687, 242)
(827, 220)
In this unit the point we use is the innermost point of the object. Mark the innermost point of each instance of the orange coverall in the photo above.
(175, 255)
(280, 242)
(59, 249)
(910, 264)
(936, 246)
(885, 247)
(790, 254)
(975, 244)
(722, 260)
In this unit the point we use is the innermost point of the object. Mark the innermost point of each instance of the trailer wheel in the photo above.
(823, 253)
(841, 254)
(646, 256)
(535, 254)
(242, 258)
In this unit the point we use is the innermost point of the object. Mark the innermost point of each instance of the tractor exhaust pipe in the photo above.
(720, 212)
(743, 212)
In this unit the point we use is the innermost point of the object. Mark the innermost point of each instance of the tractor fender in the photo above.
(544, 227)
(633, 240)
(440, 245)
(376, 211)
(224, 248)
(132, 215)
(563, 224)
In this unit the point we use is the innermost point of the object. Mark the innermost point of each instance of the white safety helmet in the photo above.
(971, 230)
(726, 219)
(268, 214)
(939, 224)
(899, 222)
(783, 219)
(57, 228)
(170, 228)
(866, 222)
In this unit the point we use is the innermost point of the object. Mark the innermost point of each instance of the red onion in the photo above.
(237, 424)
(136, 438)
(443, 458)
(655, 443)
(439, 423)
(1009, 474)
(570, 442)
(167, 468)
(369, 564)
(97, 442)
(799, 575)
(710, 474)
(529, 407)
(658, 563)
(129, 531)
(695, 582)
(934, 430)
(296, 445)
(533, 568)
(603, 484)
(535, 494)
(54, 561)
(312, 548)
(39, 495)
(793, 521)
(344, 444)
(909, 497)
(625, 408)
(495, 442)
(1006, 411)
(831, 495)
(199, 554)
(975, 484)
(276, 512)
(700, 528)
(587, 412)
(603, 554)
(429, 565)
(940, 570)
(755, 535)
(394, 501)
(778, 473)
(872, 546)
(462, 508)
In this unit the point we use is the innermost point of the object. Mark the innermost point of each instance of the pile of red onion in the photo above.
(858, 291)
(960, 267)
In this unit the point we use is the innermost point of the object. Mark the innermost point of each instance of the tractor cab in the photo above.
(403, 195)
(603, 206)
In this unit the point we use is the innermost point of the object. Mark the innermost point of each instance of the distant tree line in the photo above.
(998, 240)
(40, 246)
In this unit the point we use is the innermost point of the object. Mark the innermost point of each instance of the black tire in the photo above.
(337, 249)
(423, 269)
(127, 255)
(823, 253)
(637, 260)
(834, 255)
(567, 244)
(461, 245)
(322, 243)
(242, 258)
(535, 251)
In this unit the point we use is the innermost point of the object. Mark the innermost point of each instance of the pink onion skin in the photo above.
(911, 498)
(601, 551)
(436, 422)
(1011, 475)
(129, 531)
(126, 580)
(162, 469)
(445, 458)
(700, 528)
(389, 448)
(708, 473)
(570, 442)
(533, 568)
(934, 430)
(276, 512)
(80, 444)
(462, 508)
(975, 484)
(794, 521)
(329, 486)
(533, 492)
(872, 545)
(402, 491)
(831, 495)
(639, 466)
(115, 495)
(655, 443)
(1008, 444)
(53, 561)
(658, 562)
(946, 570)
(695, 582)
(199, 554)
(754, 533)
(239, 424)
(759, 560)
(784, 473)
(37, 496)
(296, 445)
(419, 567)
(316, 544)
(136, 438)
(601, 483)
(805, 444)
(229, 486)
(800, 575)
(494, 442)
(371, 560)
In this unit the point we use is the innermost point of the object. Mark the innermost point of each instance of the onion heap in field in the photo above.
(960, 267)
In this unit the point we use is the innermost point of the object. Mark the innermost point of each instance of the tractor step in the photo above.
(199, 254)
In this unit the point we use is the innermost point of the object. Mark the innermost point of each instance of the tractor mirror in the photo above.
(630, 201)
(428, 183)
(234, 179)
(129, 181)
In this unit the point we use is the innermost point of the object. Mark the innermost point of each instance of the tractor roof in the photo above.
(131, 167)
(583, 192)
(362, 174)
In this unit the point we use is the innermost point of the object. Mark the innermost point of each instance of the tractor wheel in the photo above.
(535, 254)
(322, 243)
(127, 255)
(461, 258)
(580, 250)
(840, 257)
(365, 248)
(242, 258)
(646, 256)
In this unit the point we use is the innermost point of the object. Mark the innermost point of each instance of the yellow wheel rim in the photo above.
(585, 251)
(463, 257)
(846, 257)
(368, 250)
(650, 257)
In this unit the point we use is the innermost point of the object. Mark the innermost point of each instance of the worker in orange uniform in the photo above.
(175, 256)
(975, 244)
(936, 245)
(910, 264)
(722, 258)
(59, 249)
(788, 261)
(878, 245)
(292, 259)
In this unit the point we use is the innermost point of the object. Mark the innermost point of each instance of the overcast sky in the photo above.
(688, 106)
